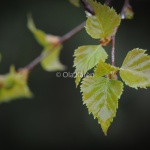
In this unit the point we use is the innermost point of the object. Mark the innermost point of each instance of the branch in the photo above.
(71, 33)
(61, 40)
(36, 61)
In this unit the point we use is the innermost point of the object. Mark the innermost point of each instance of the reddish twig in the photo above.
(122, 15)
(70, 34)
(113, 51)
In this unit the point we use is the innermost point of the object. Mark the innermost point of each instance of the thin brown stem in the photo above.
(122, 15)
(70, 34)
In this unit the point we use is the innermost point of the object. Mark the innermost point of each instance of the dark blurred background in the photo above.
(56, 116)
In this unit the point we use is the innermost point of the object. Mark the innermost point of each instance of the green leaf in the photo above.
(86, 57)
(103, 23)
(104, 69)
(135, 70)
(38, 34)
(75, 2)
(101, 98)
(52, 62)
(14, 85)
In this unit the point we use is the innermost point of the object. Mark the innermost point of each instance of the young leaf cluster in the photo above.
(102, 91)
(14, 85)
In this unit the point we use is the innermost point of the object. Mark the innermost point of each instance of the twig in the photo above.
(36, 61)
(70, 34)
(113, 51)
(87, 7)
(122, 15)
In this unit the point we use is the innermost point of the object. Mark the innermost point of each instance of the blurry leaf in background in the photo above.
(52, 62)
(75, 2)
(42, 38)
(14, 85)
(38, 34)
(127, 12)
